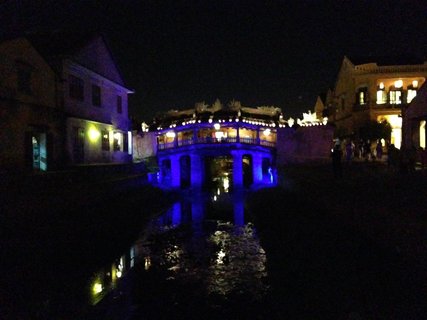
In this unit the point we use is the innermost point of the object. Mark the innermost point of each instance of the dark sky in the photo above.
(281, 53)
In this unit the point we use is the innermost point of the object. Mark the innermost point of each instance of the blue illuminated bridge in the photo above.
(210, 147)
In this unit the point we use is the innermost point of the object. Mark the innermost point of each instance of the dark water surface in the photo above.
(201, 258)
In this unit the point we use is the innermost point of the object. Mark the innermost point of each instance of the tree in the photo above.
(375, 130)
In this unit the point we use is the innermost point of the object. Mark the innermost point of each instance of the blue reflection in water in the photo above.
(205, 241)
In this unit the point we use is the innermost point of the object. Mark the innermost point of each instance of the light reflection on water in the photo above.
(205, 240)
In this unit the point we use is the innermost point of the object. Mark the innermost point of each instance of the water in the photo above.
(202, 255)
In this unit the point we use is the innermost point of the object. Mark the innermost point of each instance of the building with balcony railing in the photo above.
(374, 89)
(217, 146)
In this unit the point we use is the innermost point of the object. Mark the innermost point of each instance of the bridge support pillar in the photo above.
(237, 169)
(175, 171)
(257, 168)
(197, 171)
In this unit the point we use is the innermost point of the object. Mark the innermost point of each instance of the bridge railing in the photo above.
(210, 140)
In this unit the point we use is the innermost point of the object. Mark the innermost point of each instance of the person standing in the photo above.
(379, 150)
(336, 161)
(349, 152)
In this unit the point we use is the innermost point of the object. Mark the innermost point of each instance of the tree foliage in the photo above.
(375, 130)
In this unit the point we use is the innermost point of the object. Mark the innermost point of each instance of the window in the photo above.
(395, 96)
(119, 104)
(117, 141)
(381, 97)
(24, 72)
(96, 95)
(76, 88)
(412, 91)
(381, 94)
(125, 143)
(362, 96)
(105, 140)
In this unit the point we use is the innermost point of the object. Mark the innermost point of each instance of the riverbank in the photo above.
(347, 248)
(54, 238)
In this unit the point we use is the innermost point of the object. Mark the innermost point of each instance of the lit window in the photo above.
(381, 97)
(395, 96)
(362, 97)
(423, 134)
(412, 93)
(117, 141)
(381, 94)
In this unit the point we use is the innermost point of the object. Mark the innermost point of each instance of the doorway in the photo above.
(38, 151)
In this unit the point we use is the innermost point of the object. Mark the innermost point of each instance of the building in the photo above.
(374, 89)
(93, 97)
(414, 121)
(63, 103)
(31, 125)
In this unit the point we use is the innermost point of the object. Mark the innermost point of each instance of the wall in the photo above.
(304, 144)
(92, 150)
(144, 145)
(107, 112)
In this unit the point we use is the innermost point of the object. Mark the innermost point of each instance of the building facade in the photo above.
(414, 121)
(374, 90)
(95, 101)
(31, 125)
(64, 103)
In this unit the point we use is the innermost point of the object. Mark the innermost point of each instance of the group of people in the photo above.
(397, 160)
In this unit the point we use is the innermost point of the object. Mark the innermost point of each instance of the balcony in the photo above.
(374, 106)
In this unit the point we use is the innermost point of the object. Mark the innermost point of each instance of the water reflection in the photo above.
(204, 240)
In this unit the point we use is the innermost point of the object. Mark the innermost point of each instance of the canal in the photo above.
(203, 255)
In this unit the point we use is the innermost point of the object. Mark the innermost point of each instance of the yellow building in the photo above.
(414, 121)
(374, 89)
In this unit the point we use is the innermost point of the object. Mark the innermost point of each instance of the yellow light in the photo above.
(415, 83)
(219, 134)
(97, 288)
(398, 84)
(94, 134)
(170, 134)
(147, 263)
(117, 135)
(423, 134)
(267, 132)
(217, 126)
(381, 85)
(119, 274)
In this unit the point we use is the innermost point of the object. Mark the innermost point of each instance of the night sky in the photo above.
(277, 53)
